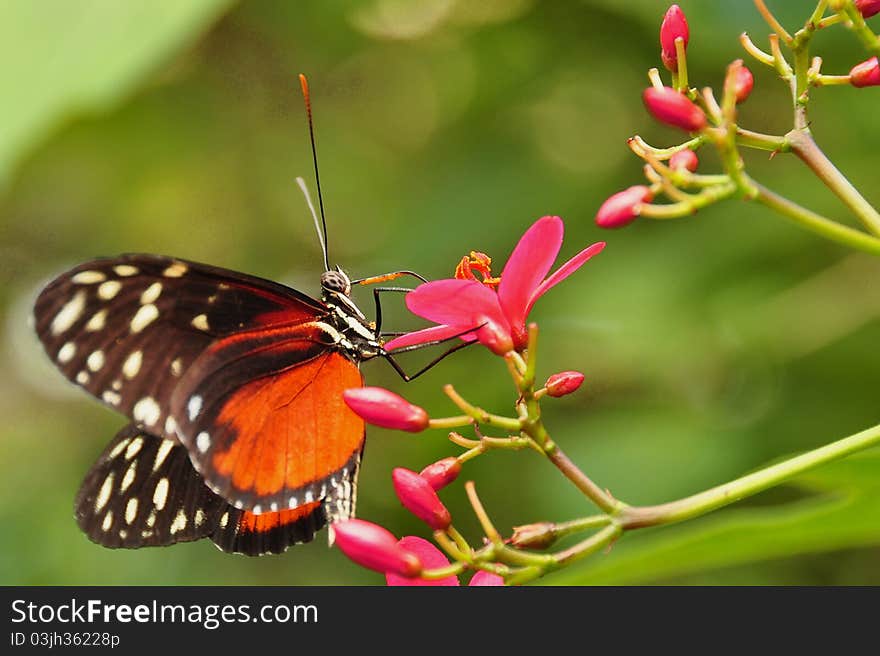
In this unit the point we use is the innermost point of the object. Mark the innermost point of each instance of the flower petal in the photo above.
(431, 558)
(527, 266)
(564, 272)
(481, 578)
(431, 334)
(454, 302)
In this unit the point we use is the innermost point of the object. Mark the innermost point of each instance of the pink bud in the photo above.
(441, 473)
(684, 159)
(484, 578)
(431, 557)
(674, 25)
(373, 547)
(622, 208)
(417, 496)
(866, 74)
(868, 7)
(673, 108)
(563, 383)
(743, 84)
(382, 407)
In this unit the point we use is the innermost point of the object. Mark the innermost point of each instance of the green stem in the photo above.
(699, 504)
(584, 483)
(816, 223)
(803, 145)
(761, 141)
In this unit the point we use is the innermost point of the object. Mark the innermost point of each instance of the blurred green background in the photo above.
(711, 345)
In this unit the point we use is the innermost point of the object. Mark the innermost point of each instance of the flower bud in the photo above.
(866, 74)
(373, 547)
(674, 25)
(684, 160)
(441, 473)
(533, 536)
(382, 407)
(622, 208)
(484, 579)
(431, 558)
(743, 84)
(673, 108)
(417, 496)
(563, 383)
(868, 7)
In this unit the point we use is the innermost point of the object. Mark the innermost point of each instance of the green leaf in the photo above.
(59, 59)
(841, 512)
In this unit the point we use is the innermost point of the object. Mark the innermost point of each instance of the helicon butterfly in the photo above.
(233, 385)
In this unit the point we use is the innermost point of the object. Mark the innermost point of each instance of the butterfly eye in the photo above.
(335, 281)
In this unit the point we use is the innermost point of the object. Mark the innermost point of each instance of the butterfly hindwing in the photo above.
(143, 491)
(126, 329)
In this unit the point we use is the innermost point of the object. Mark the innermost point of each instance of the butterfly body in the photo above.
(234, 380)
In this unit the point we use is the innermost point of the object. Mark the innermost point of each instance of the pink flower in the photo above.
(745, 81)
(563, 383)
(382, 407)
(373, 547)
(433, 558)
(622, 208)
(441, 473)
(495, 318)
(866, 74)
(684, 159)
(674, 26)
(868, 7)
(417, 496)
(673, 108)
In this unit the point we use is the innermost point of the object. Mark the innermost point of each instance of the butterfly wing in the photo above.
(143, 491)
(126, 329)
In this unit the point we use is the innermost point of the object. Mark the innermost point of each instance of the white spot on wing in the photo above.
(108, 521)
(131, 509)
(200, 321)
(145, 315)
(111, 397)
(97, 321)
(176, 367)
(257, 509)
(175, 270)
(293, 502)
(95, 360)
(88, 277)
(134, 448)
(160, 494)
(128, 479)
(104, 493)
(224, 519)
(151, 519)
(164, 450)
(179, 522)
(151, 293)
(200, 517)
(194, 407)
(109, 289)
(146, 410)
(66, 353)
(125, 270)
(82, 377)
(170, 425)
(68, 314)
(203, 443)
(118, 448)
(132, 364)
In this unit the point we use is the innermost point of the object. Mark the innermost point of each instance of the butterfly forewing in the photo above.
(143, 491)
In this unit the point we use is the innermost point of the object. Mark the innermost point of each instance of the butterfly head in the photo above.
(334, 283)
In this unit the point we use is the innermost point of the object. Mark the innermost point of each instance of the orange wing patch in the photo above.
(291, 433)
(251, 523)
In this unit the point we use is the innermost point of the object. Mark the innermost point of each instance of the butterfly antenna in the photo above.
(322, 230)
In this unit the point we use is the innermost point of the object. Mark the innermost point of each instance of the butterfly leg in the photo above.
(378, 301)
(408, 377)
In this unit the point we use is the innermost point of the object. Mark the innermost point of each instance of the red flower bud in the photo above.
(673, 108)
(484, 578)
(868, 7)
(373, 547)
(417, 496)
(564, 383)
(866, 74)
(684, 159)
(674, 25)
(382, 407)
(743, 84)
(431, 557)
(441, 473)
(621, 208)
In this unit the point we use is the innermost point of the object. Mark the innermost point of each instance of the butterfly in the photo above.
(233, 386)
